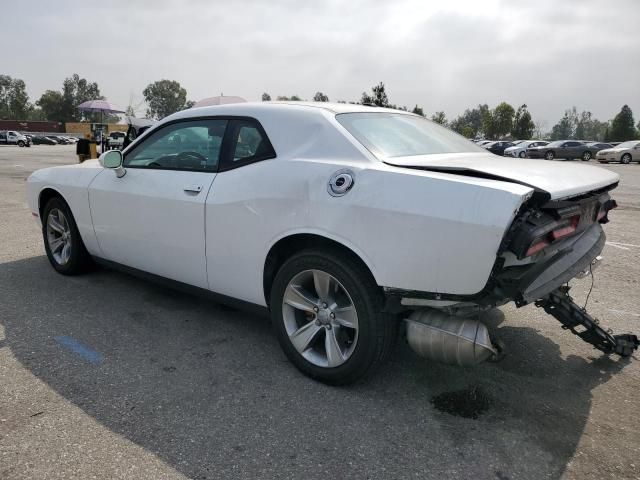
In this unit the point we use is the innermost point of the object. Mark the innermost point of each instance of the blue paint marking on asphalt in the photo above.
(75, 346)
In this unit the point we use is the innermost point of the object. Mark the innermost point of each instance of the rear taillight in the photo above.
(536, 246)
(566, 230)
(558, 230)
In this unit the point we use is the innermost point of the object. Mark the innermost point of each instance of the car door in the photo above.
(575, 150)
(152, 218)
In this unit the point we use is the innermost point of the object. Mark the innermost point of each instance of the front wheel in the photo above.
(549, 155)
(20, 143)
(586, 156)
(626, 159)
(326, 312)
(62, 242)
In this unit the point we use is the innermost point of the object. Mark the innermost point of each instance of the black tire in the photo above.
(377, 331)
(521, 154)
(79, 260)
(21, 143)
(549, 155)
(586, 156)
(626, 159)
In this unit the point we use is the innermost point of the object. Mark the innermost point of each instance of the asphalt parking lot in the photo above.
(107, 376)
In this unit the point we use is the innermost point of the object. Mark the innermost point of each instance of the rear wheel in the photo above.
(326, 312)
(62, 242)
(586, 156)
(626, 159)
(549, 155)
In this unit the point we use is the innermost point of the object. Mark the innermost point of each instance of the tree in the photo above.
(439, 117)
(50, 103)
(540, 129)
(378, 97)
(623, 126)
(164, 97)
(62, 106)
(563, 129)
(320, 97)
(292, 98)
(14, 100)
(523, 125)
(418, 110)
(502, 119)
(470, 121)
(566, 127)
(76, 90)
(266, 97)
(189, 104)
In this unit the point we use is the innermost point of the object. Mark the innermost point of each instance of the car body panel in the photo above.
(146, 220)
(400, 239)
(560, 180)
(72, 182)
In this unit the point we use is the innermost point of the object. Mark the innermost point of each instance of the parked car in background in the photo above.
(11, 137)
(61, 140)
(592, 148)
(566, 149)
(498, 148)
(116, 140)
(53, 139)
(519, 149)
(482, 143)
(42, 140)
(626, 152)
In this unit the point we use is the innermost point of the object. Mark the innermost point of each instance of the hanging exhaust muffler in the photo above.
(449, 339)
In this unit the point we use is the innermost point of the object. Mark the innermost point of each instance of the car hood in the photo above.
(613, 150)
(557, 179)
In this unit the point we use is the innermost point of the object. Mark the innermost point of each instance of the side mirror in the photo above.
(113, 159)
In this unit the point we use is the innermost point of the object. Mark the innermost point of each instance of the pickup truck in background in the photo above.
(11, 137)
(116, 140)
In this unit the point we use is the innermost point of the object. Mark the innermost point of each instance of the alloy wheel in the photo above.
(59, 236)
(320, 318)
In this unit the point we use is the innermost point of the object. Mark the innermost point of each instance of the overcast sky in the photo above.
(446, 55)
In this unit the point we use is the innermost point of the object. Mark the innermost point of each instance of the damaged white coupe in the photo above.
(345, 222)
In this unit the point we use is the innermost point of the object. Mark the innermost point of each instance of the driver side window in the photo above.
(190, 145)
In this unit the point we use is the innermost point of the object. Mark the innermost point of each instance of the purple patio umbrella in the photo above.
(101, 106)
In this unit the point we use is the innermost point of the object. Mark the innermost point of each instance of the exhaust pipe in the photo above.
(449, 339)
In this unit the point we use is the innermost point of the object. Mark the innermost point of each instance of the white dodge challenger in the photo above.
(345, 222)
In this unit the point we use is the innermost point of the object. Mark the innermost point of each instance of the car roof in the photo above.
(248, 108)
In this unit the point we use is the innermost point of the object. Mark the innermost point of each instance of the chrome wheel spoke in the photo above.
(296, 297)
(332, 347)
(56, 244)
(55, 225)
(66, 253)
(322, 284)
(346, 316)
(302, 337)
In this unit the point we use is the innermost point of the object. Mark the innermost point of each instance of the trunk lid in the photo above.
(558, 179)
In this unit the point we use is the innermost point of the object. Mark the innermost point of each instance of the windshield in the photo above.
(400, 135)
(630, 144)
(557, 143)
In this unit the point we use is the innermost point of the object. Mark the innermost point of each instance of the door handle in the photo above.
(193, 188)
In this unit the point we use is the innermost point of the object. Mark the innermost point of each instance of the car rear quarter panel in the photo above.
(71, 183)
(415, 230)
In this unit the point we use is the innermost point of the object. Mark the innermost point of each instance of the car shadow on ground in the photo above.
(207, 389)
